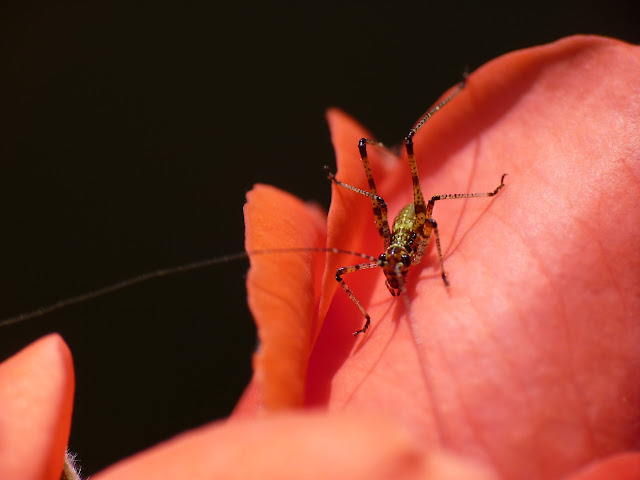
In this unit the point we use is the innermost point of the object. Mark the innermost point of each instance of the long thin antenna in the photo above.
(437, 107)
(163, 272)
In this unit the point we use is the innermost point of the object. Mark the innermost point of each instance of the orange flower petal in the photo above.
(284, 290)
(527, 360)
(620, 467)
(295, 446)
(36, 399)
(249, 403)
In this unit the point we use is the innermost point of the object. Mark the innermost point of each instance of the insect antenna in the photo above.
(165, 272)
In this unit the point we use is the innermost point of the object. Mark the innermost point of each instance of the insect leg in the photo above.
(450, 196)
(438, 106)
(379, 205)
(351, 269)
(419, 204)
(418, 198)
(432, 226)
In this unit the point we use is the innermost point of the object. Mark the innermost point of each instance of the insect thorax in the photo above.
(401, 251)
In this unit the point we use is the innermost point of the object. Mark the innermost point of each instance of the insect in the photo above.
(406, 241)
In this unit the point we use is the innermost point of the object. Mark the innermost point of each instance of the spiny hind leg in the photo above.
(354, 268)
(379, 206)
(452, 196)
(420, 206)
(432, 227)
(380, 214)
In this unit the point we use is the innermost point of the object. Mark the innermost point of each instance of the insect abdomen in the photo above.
(404, 228)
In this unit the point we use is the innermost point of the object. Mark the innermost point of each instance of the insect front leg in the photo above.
(345, 287)
(451, 196)
(431, 225)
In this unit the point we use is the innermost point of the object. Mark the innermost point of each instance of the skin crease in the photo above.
(525, 367)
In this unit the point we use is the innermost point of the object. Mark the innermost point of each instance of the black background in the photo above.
(130, 135)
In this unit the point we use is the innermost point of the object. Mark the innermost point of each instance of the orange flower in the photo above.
(524, 367)
(36, 399)
(526, 363)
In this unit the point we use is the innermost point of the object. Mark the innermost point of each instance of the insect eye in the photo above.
(406, 259)
(383, 258)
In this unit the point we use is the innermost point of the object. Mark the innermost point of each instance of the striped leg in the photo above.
(431, 227)
(418, 198)
(351, 269)
(380, 214)
(434, 227)
(450, 196)
(379, 206)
